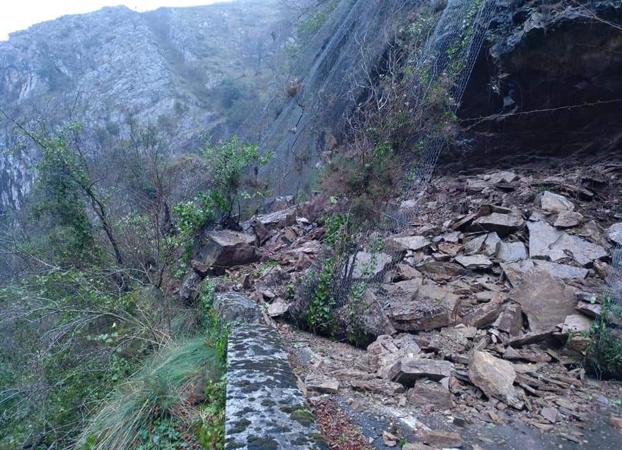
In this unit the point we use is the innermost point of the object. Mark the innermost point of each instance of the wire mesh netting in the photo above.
(452, 52)
(614, 281)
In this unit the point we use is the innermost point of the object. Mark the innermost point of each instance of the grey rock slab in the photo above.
(484, 315)
(495, 377)
(474, 245)
(555, 203)
(386, 351)
(510, 252)
(278, 219)
(413, 243)
(568, 219)
(545, 300)
(322, 384)
(225, 248)
(549, 413)
(442, 439)
(474, 262)
(511, 319)
(491, 244)
(503, 224)
(278, 308)
(368, 265)
(428, 392)
(591, 310)
(614, 233)
(547, 242)
(576, 323)
(501, 177)
(582, 251)
(371, 319)
(474, 186)
(410, 369)
(516, 271)
(416, 306)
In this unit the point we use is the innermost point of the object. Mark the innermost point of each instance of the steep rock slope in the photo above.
(187, 71)
(548, 84)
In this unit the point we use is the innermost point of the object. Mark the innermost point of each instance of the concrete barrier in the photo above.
(264, 408)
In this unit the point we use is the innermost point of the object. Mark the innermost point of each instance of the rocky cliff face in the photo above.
(548, 84)
(186, 71)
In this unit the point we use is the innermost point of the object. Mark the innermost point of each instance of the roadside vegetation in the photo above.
(98, 351)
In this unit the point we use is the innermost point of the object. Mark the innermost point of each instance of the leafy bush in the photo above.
(604, 355)
(326, 285)
(319, 315)
(230, 161)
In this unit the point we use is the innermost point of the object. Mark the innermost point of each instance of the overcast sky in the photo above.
(20, 14)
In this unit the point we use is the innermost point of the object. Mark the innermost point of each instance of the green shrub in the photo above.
(604, 355)
(230, 161)
(319, 313)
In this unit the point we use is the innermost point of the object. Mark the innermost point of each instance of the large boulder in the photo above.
(364, 318)
(510, 252)
(278, 219)
(414, 306)
(369, 265)
(545, 300)
(234, 307)
(555, 203)
(516, 272)
(386, 350)
(503, 224)
(495, 377)
(484, 315)
(510, 320)
(614, 233)
(189, 289)
(410, 369)
(226, 248)
(430, 393)
(547, 242)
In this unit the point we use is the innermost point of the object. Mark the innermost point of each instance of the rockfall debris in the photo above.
(482, 317)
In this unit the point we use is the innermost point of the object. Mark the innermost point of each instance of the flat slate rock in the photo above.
(614, 233)
(502, 224)
(518, 270)
(555, 203)
(545, 300)
(547, 242)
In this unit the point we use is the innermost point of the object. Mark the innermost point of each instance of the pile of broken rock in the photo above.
(485, 314)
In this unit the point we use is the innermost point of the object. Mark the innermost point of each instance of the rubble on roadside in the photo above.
(485, 314)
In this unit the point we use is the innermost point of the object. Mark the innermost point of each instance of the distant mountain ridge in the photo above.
(186, 71)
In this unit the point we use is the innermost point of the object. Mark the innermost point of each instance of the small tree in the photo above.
(221, 204)
(66, 187)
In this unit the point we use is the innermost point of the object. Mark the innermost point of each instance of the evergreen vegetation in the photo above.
(91, 319)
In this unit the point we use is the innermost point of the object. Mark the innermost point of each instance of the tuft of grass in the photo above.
(141, 405)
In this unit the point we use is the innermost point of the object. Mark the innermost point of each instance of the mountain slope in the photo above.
(187, 71)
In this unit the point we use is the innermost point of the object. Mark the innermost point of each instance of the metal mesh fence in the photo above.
(614, 280)
(451, 53)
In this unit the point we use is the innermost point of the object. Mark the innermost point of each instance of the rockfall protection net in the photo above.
(614, 280)
(452, 52)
